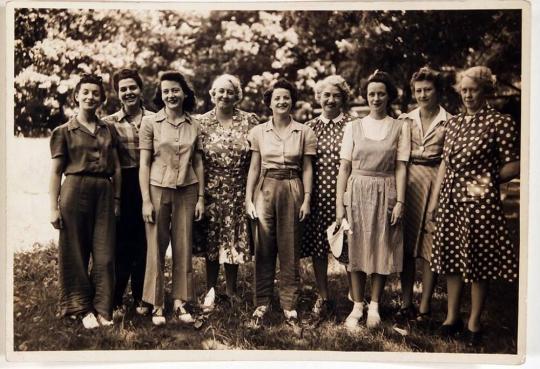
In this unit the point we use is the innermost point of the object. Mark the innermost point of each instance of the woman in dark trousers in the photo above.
(130, 235)
(83, 207)
(278, 197)
(471, 243)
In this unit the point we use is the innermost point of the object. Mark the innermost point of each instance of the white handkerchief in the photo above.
(336, 239)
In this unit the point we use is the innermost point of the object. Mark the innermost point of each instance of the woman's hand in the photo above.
(340, 214)
(250, 210)
(116, 207)
(304, 210)
(56, 219)
(148, 212)
(199, 209)
(397, 214)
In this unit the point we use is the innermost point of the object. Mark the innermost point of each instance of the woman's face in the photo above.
(331, 100)
(129, 92)
(224, 94)
(172, 94)
(281, 102)
(425, 94)
(471, 94)
(89, 96)
(377, 97)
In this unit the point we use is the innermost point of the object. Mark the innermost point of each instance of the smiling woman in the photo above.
(83, 207)
(172, 185)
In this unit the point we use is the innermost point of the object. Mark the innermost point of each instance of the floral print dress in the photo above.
(223, 233)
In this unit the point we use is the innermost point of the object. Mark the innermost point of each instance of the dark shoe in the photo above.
(405, 314)
(451, 330)
(424, 320)
(473, 339)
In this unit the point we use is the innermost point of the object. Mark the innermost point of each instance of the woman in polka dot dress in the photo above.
(332, 93)
(471, 242)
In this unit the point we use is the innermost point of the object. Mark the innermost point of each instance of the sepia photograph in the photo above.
(285, 180)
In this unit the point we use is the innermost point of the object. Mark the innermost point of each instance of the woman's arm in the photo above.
(253, 175)
(54, 191)
(345, 167)
(307, 180)
(433, 202)
(401, 184)
(509, 171)
(117, 182)
(198, 166)
(144, 184)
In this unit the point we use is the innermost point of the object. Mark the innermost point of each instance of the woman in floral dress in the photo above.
(471, 243)
(332, 93)
(222, 236)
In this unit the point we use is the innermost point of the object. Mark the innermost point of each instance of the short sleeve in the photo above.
(113, 131)
(404, 142)
(507, 139)
(253, 139)
(58, 143)
(347, 143)
(310, 142)
(146, 135)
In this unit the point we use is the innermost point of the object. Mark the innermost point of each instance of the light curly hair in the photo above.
(481, 75)
(234, 81)
(337, 81)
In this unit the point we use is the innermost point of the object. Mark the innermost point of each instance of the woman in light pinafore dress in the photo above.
(371, 190)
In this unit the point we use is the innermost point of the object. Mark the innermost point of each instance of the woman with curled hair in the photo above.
(84, 206)
(171, 177)
(333, 94)
(278, 199)
(223, 234)
(371, 194)
(130, 235)
(428, 127)
(471, 243)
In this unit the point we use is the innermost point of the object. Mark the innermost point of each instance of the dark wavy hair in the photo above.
(93, 79)
(430, 75)
(125, 74)
(281, 83)
(189, 100)
(384, 78)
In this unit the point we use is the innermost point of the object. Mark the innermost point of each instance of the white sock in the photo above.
(374, 306)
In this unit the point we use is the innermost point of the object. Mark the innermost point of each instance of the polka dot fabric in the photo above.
(471, 237)
(323, 198)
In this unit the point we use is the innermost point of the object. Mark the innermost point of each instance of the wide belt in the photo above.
(371, 173)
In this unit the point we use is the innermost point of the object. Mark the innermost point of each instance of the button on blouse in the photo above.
(84, 152)
(128, 137)
(286, 153)
(173, 147)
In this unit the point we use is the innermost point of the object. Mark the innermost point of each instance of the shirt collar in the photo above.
(295, 126)
(74, 123)
(337, 119)
(160, 116)
(122, 114)
(415, 116)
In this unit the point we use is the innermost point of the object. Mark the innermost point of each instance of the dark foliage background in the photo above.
(53, 46)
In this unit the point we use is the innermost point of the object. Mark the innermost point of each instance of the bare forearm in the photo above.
(54, 182)
(434, 199)
(198, 166)
(253, 175)
(343, 176)
(509, 171)
(401, 180)
(307, 177)
(144, 175)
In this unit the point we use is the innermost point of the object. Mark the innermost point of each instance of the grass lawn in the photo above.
(38, 325)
